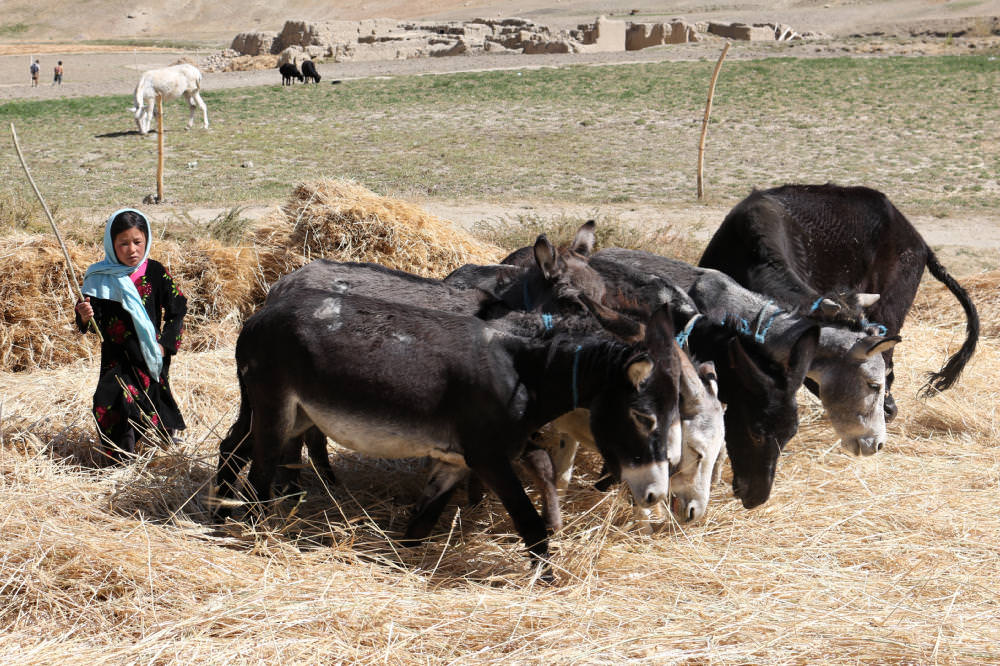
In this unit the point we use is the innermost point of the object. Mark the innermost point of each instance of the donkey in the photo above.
(801, 243)
(394, 380)
(845, 363)
(758, 385)
(702, 424)
(554, 283)
(692, 467)
(516, 286)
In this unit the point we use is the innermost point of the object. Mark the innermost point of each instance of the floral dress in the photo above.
(128, 403)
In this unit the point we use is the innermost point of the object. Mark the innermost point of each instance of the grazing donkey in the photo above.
(394, 380)
(801, 243)
(182, 80)
(845, 362)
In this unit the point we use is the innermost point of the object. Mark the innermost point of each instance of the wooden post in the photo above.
(704, 123)
(159, 142)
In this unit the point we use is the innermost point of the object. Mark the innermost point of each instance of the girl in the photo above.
(129, 296)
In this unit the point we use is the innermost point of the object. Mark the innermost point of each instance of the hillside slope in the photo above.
(217, 22)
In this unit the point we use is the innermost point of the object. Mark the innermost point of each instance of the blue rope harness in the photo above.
(547, 321)
(743, 326)
(880, 330)
(576, 366)
(682, 337)
(760, 335)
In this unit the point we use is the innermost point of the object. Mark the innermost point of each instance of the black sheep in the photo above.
(309, 71)
(288, 72)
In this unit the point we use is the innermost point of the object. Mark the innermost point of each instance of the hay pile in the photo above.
(36, 303)
(888, 559)
(342, 220)
(224, 284)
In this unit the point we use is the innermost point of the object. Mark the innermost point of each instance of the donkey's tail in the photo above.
(946, 376)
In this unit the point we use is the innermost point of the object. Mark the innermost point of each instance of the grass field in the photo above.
(888, 559)
(924, 130)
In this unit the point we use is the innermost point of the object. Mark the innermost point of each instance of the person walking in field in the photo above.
(139, 310)
(34, 69)
(57, 74)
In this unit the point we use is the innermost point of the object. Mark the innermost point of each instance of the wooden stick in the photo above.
(52, 223)
(159, 142)
(704, 123)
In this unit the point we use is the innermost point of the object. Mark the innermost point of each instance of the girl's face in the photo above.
(130, 246)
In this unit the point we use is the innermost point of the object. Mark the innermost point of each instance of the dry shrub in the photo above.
(517, 231)
(342, 220)
(935, 304)
(36, 303)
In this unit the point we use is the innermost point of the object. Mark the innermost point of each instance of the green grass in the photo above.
(157, 43)
(920, 129)
(13, 29)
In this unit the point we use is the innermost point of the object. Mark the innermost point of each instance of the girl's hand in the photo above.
(163, 352)
(85, 310)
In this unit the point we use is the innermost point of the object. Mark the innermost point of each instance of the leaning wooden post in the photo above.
(70, 273)
(159, 143)
(704, 123)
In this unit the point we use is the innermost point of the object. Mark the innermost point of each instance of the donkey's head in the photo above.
(703, 437)
(636, 419)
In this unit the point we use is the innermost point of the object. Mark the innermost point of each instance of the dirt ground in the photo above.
(897, 26)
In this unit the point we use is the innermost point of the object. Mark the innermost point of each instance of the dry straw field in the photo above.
(894, 558)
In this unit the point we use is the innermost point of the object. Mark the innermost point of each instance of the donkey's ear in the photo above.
(870, 345)
(747, 372)
(660, 333)
(623, 326)
(864, 301)
(801, 355)
(639, 370)
(691, 387)
(706, 371)
(545, 256)
(583, 242)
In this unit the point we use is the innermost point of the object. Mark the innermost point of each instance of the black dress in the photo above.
(128, 403)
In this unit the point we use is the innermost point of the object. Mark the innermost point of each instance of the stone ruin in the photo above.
(391, 39)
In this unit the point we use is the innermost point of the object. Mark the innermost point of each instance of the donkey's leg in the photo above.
(272, 438)
(440, 485)
(315, 442)
(290, 466)
(189, 98)
(234, 454)
(204, 109)
(474, 490)
(499, 475)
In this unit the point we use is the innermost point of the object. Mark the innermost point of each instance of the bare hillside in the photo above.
(218, 22)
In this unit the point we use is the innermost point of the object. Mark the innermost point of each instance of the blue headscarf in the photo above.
(110, 279)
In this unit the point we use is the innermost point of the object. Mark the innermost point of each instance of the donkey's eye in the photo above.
(875, 386)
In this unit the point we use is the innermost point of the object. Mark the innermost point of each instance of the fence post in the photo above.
(704, 123)
(159, 142)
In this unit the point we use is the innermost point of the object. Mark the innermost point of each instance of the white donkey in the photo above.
(171, 82)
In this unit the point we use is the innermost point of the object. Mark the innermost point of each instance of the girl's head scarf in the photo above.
(110, 279)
